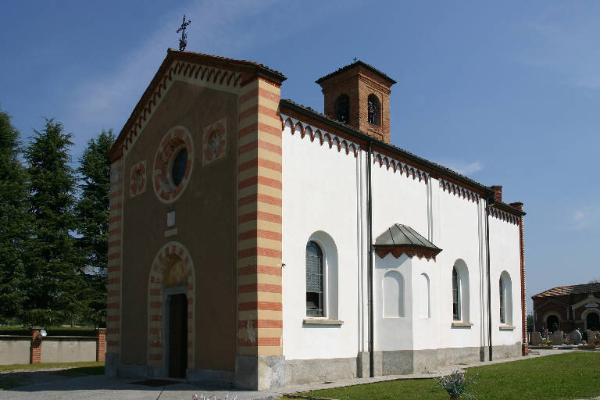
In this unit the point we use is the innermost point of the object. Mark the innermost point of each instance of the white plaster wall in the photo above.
(54, 350)
(426, 331)
(505, 256)
(393, 333)
(14, 351)
(319, 194)
(398, 199)
(324, 190)
(457, 232)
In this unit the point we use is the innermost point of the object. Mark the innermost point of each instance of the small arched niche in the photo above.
(393, 295)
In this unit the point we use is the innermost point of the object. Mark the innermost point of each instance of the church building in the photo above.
(567, 308)
(258, 242)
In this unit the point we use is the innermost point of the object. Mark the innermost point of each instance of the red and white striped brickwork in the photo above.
(163, 262)
(115, 237)
(259, 220)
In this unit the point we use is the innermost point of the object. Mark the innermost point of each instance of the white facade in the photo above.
(325, 199)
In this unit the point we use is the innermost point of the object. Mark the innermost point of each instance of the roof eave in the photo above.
(441, 171)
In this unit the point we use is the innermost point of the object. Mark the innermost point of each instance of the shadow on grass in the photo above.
(28, 376)
(89, 378)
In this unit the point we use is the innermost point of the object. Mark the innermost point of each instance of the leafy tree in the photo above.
(55, 281)
(92, 215)
(13, 223)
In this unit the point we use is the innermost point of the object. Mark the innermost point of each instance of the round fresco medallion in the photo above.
(173, 164)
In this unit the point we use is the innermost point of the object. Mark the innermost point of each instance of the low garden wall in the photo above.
(34, 348)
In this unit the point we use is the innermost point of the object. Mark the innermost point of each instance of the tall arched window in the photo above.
(314, 280)
(424, 296)
(460, 292)
(456, 300)
(374, 110)
(342, 108)
(393, 295)
(505, 287)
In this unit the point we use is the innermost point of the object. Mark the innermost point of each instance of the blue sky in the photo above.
(505, 92)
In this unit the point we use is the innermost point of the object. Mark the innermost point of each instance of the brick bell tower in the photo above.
(359, 95)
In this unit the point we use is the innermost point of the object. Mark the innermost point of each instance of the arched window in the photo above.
(374, 110)
(342, 108)
(460, 292)
(178, 166)
(592, 321)
(314, 280)
(456, 306)
(423, 291)
(505, 287)
(393, 295)
(552, 323)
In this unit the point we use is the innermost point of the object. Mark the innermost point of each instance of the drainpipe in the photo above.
(489, 202)
(370, 264)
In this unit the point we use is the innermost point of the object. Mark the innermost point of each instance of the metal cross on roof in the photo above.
(183, 38)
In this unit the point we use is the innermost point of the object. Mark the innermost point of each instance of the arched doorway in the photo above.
(171, 312)
(592, 321)
(552, 323)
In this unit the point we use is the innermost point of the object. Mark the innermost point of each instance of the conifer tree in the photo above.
(13, 224)
(54, 275)
(92, 225)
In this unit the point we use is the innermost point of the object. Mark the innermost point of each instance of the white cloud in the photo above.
(584, 218)
(464, 168)
(105, 101)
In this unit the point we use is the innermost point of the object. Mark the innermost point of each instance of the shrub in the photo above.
(456, 384)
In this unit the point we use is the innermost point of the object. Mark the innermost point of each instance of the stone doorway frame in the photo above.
(157, 344)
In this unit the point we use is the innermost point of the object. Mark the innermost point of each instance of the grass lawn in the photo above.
(564, 376)
(18, 375)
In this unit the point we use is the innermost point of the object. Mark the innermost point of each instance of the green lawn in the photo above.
(18, 375)
(40, 366)
(565, 376)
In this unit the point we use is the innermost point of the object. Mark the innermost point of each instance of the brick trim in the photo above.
(170, 253)
(35, 350)
(101, 344)
(112, 339)
(522, 273)
(259, 215)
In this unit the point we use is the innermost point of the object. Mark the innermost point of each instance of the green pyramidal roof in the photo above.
(402, 235)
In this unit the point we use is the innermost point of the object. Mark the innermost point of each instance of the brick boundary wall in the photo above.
(36, 345)
(35, 350)
(259, 217)
(113, 284)
(101, 344)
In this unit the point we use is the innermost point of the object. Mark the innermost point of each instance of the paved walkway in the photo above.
(94, 387)
(98, 387)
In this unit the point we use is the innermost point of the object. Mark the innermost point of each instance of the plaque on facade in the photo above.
(214, 142)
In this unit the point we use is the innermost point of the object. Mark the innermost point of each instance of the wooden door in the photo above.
(178, 311)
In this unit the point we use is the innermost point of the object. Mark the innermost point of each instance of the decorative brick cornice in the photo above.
(409, 250)
(322, 137)
(206, 70)
(504, 215)
(458, 190)
(213, 77)
(401, 167)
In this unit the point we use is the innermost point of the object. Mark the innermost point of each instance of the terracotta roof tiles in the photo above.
(593, 287)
